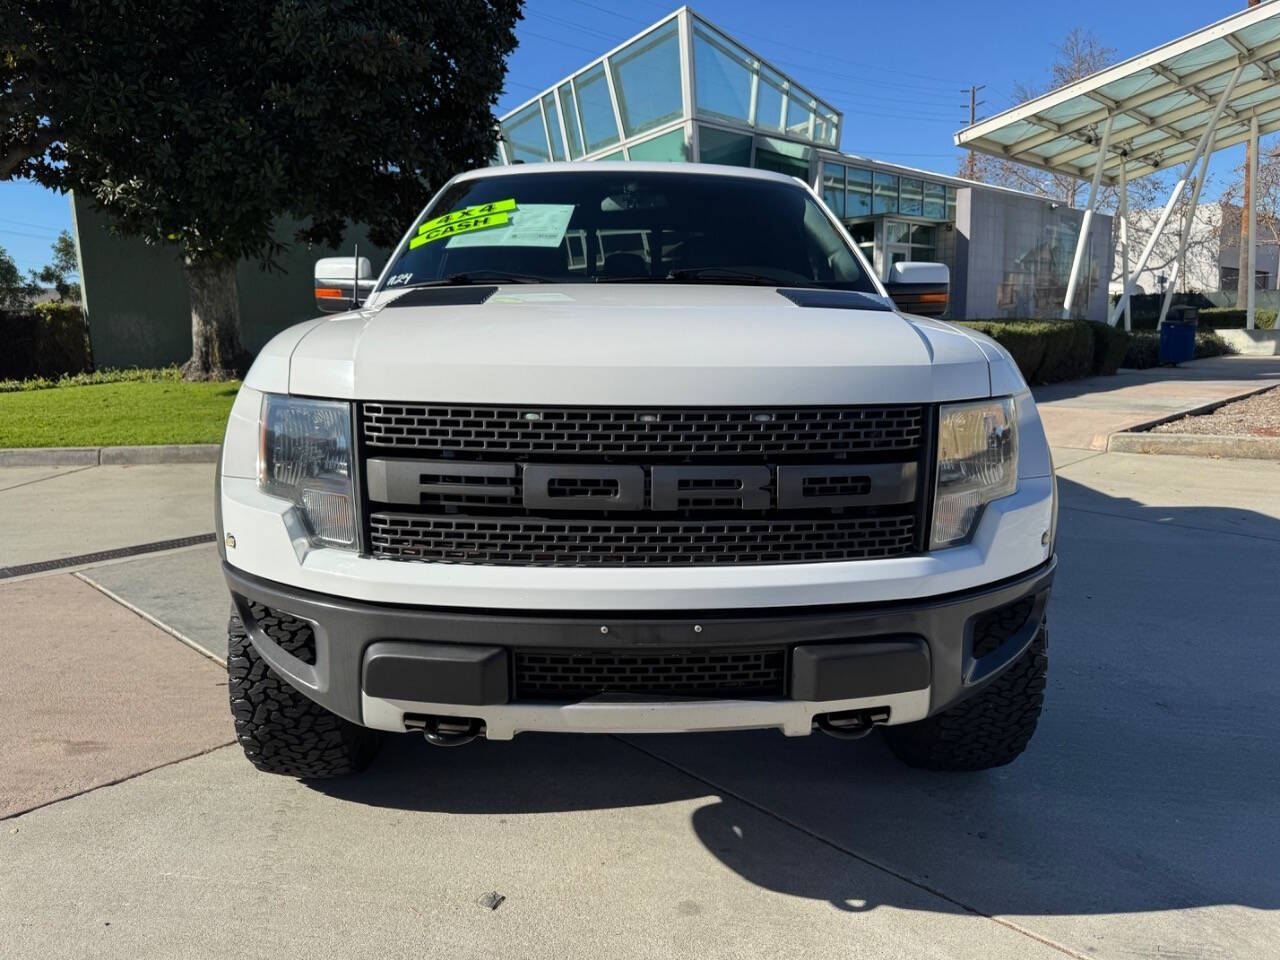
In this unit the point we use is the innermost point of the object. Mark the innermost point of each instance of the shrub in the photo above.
(1069, 353)
(1046, 351)
(1023, 339)
(48, 340)
(1144, 348)
(133, 375)
(1109, 347)
(1231, 318)
(1209, 344)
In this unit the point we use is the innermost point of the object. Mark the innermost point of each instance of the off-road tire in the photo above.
(280, 730)
(987, 730)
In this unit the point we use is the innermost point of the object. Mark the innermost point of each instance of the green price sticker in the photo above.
(476, 217)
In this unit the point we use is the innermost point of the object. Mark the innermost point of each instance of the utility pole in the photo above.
(974, 104)
(1245, 282)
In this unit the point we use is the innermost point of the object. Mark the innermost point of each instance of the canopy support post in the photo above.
(1085, 222)
(1124, 242)
(1188, 221)
(1177, 191)
(1253, 221)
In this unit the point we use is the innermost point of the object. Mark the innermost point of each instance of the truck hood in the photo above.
(631, 344)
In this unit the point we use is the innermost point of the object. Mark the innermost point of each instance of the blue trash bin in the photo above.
(1178, 336)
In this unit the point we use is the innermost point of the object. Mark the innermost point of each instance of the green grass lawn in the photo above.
(115, 414)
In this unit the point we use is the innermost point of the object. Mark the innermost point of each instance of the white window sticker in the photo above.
(532, 225)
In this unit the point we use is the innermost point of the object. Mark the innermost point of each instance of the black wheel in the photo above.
(989, 729)
(280, 729)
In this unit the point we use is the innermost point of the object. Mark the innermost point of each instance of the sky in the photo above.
(899, 72)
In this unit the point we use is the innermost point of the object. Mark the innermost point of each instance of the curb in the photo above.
(1196, 445)
(109, 456)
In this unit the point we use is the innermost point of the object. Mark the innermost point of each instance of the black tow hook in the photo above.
(446, 731)
(851, 724)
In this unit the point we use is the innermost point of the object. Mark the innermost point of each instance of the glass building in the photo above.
(684, 90)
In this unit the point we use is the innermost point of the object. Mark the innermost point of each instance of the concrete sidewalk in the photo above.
(1140, 822)
(1083, 414)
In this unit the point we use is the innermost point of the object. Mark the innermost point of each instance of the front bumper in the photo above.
(376, 663)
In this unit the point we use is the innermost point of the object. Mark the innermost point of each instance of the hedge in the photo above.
(1231, 318)
(1109, 347)
(171, 374)
(47, 340)
(1144, 311)
(1047, 351)
(1144, 348)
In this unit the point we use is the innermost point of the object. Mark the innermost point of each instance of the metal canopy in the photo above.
(1160, 105)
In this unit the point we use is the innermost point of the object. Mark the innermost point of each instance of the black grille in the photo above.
(653, 433)
(537, 542)
(995, 627)
(571, 674)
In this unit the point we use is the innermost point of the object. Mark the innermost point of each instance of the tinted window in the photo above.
(611, 225)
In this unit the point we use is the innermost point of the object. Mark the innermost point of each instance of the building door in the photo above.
(895, 253)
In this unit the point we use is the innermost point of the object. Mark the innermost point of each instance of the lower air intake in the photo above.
(575, 674)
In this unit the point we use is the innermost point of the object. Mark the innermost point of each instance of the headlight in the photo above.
(977, 463)
(305, 458)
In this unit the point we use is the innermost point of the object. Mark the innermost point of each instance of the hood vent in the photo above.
(833, 299)
(443, 297)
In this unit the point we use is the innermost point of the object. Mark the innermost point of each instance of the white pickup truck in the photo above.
(633, 448)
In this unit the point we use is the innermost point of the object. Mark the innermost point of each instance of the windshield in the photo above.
(627, 227)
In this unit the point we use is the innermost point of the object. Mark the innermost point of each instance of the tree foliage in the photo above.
(1079, 55)
(199, 125)
(60, 271)
(15, 292)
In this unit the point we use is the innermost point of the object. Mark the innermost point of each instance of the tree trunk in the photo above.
(216, 350)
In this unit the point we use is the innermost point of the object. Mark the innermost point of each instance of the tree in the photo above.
(1080, 54)
(198, 125)
(59, 271)
(15, 293)
(1265, 195)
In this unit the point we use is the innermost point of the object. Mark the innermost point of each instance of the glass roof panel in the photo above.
(1075, 107)
(1055, 146)
(1015, 132)
(1259, 33)
(1252, 99)
(1130, 85)
(1166, 104)
(1194, 121)
(1214, 51)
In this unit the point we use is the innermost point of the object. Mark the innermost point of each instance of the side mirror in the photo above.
(342, 283)
(920, 288)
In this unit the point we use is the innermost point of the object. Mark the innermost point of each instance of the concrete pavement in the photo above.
(48, 514)
(1083, 414)
(1140, 823)
(93, 694)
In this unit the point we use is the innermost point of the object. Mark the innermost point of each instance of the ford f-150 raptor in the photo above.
(631, 448)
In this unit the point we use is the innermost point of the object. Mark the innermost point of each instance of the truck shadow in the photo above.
(1151, 785)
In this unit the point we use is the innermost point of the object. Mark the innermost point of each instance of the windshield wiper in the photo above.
(480, 276)
(724, 274)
